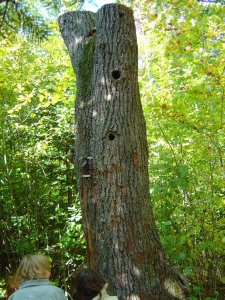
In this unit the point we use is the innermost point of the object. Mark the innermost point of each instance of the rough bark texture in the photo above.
(111, 157)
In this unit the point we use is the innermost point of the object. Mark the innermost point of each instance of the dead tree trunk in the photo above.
(111, 157)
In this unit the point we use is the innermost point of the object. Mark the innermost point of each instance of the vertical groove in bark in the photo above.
(111, 147)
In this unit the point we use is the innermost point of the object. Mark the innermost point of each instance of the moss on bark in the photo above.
(86, 67)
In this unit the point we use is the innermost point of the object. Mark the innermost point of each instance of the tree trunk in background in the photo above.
(111, 157)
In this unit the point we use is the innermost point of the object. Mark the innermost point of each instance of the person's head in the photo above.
(11, 286)
(87, 283)
(33, 267)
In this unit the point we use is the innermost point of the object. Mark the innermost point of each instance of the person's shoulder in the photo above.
(110, 298)
(14, 296)
(56, 290)
(105, 295)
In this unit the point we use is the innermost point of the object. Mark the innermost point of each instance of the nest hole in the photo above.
(111, 136)
(116, 74)
(121, 15)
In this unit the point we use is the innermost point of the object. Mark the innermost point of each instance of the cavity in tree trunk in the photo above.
(111, 157)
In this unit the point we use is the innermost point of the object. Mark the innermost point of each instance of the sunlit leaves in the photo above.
(23, 16)
(37, 95)
(32, 17)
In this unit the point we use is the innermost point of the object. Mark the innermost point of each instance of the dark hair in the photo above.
(88, 283)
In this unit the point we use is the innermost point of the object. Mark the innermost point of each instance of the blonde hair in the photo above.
(32, 267)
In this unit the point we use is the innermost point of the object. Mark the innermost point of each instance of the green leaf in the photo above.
(187, 271)
(182, 256)
(167, 223)
(197, 289)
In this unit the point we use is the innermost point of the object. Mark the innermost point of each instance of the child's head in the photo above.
(33, 267)
(11, 286)
(87, 283)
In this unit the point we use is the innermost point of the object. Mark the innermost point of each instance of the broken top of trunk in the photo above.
(111, 157)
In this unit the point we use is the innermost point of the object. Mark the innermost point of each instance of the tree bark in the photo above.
(111, 157)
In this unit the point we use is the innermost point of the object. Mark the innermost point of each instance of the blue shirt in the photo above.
(38, 289)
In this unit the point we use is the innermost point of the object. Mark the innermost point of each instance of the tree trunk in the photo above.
(111, 157)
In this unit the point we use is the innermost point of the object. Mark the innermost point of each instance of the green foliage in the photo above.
(22, 16)
(32, 16)
(40, 211)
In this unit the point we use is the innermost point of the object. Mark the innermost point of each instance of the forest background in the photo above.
(182, 82)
